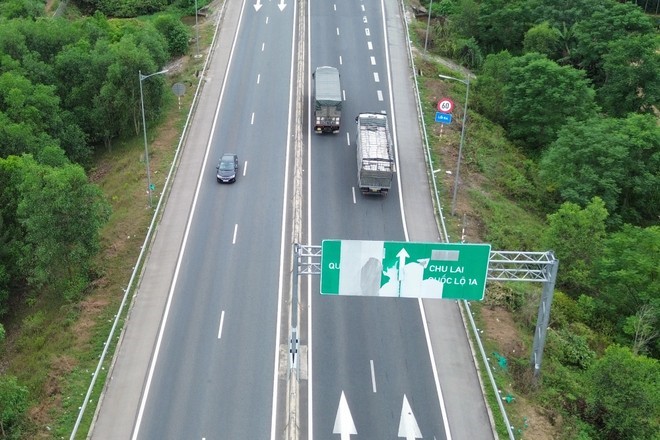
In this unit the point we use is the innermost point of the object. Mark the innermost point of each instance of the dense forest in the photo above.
(575, 86)
(69, 88)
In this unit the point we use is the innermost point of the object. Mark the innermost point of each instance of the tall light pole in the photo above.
(144, 129)
(196, 31)
(460, 148)
(428, 24)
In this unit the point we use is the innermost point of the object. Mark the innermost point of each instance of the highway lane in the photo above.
(372, 349)
(215, 372)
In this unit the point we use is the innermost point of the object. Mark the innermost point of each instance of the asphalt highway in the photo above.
(203, 355)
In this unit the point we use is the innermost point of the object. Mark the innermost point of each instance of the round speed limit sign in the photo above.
(445, 105)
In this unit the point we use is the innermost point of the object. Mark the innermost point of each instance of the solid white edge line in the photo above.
(443, 410)
(233, 241)
(276, 361)
(373, 375)
(394, 135)
(434, 368)
(310, 393)
(222, 321)
(161, 331)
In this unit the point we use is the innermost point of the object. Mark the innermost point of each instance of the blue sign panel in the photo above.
(444, 118)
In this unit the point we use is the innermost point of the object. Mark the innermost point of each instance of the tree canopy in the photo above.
(540, 95)
(617, 160)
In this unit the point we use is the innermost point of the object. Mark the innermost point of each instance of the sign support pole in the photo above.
(293, 340)
(544, 315)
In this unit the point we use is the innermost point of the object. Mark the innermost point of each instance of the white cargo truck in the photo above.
(375, 154)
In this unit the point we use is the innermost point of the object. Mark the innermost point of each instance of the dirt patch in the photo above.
(102, 169)
(533, 421)
(500, 327)
(60, 368)
(534, 424)
(90, 309)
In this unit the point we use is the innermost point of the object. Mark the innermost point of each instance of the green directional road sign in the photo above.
(404, 269)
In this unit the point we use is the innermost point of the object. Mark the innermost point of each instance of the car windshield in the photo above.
(226, 165)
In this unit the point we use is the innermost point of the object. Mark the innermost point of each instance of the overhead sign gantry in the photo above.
(404, 269)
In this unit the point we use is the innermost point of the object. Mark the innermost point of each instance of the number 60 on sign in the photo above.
(445, 105)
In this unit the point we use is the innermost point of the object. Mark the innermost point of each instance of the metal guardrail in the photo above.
(440, 219)
(150, 232)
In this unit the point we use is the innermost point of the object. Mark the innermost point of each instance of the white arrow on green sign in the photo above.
(404, 269)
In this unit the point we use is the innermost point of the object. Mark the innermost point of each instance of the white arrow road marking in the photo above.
(257, 6)
(281, 5)
(344, 425)
(407, 424)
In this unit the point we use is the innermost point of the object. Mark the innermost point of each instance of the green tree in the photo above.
(642, 328)
(12, 41)
(80, 70)
(4, 285)
(626, 275)
(465, 18)
(616, 160)
(118, 99)
(566, 42)
(175, 32)
(469, 53)
(48, 37)
(489, 87)
(503, 23)
(594, 34)
(542, 39)
(62, 214)
(576, 235)
(32, 119)
(623, 401)
(632, 69)
(11, 238)
(560, 13)
(21, 9)
(13, 405)
(541, 95)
